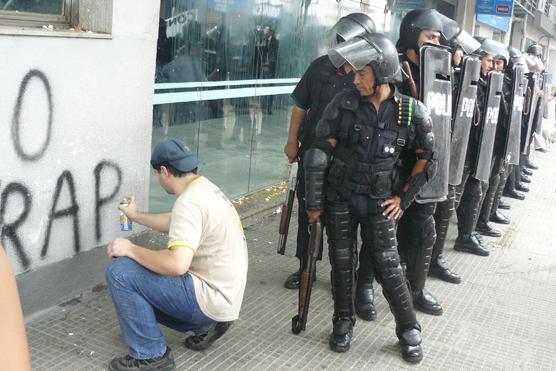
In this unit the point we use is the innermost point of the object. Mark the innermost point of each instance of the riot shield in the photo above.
(489, 119)
(466, 96)
(516, 106)
(530, 108)
(436, 94)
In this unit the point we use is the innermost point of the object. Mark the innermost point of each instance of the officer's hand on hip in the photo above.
(313, 215)
(290, 149)
(392, 208)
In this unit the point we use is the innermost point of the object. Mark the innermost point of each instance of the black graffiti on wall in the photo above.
(16, 120)
(100, 201)
(9, 230)
(70, 211)
(65, 201)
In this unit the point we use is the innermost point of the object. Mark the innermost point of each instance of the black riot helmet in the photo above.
(413, 23)
(494, 48)
(454, 36)
(516, 59)
(535, 50)
(350, 26)
(372, 49)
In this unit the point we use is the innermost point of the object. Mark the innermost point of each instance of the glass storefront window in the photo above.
(53, 7)
(225, 70)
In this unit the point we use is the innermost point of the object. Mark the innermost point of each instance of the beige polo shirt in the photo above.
(204, 220)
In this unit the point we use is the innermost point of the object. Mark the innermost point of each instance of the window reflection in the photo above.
(225, 69)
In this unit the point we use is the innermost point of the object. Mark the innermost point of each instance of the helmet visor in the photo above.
(357, 52)
(467, 42)
(346, 30)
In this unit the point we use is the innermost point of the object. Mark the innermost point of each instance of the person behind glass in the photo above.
(416, 229)
(351, 175)
(266, 57)
(13, 340)
(318, 85)
(196, 284)
(484, 227)
(469, 193)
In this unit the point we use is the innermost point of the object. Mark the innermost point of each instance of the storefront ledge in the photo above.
(45, 32)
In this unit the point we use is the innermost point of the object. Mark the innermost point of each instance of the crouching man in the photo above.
(196, 284)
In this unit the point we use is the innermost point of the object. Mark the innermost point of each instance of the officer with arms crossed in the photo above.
(353, 160)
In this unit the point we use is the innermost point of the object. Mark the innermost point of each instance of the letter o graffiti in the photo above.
(17, 113)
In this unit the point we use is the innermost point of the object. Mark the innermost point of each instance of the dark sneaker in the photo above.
(202, 342)
(503, 205)
(128, 363)
(526, 171)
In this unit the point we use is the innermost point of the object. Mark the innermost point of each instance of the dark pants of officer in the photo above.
(442, 215)
(497, 168)
(468, 202)
(504, 175)
(302, 220)
(379, 248)
(416, 236)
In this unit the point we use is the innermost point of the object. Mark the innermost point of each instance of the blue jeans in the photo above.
(142, 298)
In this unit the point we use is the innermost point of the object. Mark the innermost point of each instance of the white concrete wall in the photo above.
(98, 95)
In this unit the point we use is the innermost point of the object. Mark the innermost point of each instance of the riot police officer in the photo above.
(514, 172)
(515, 101)
(465, 75)
(500, 63)
(351, 174)
(315, 90)
(469, 193)
(416, 231)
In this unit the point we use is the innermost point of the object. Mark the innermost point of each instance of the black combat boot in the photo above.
(530, 164)
(342, 332)
(292, 282)
(521, 187)
(426, 303)
(364, 301)
(410, 342)
(439, 269)
(499, 218)
(486, 229)
(512, 193)
(504, 205)
(525, 179)
(526, 171)
(469, 243)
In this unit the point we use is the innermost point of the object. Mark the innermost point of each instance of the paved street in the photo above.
(503, 316)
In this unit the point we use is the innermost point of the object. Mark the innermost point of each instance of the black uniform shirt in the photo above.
(319, 84)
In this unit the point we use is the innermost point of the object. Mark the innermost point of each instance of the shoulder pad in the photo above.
(349, 99)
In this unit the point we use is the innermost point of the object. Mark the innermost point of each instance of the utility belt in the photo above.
(375, 180)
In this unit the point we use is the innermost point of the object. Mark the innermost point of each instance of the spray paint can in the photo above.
(125, 223)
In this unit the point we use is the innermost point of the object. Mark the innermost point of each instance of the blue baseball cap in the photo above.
(174, 152)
